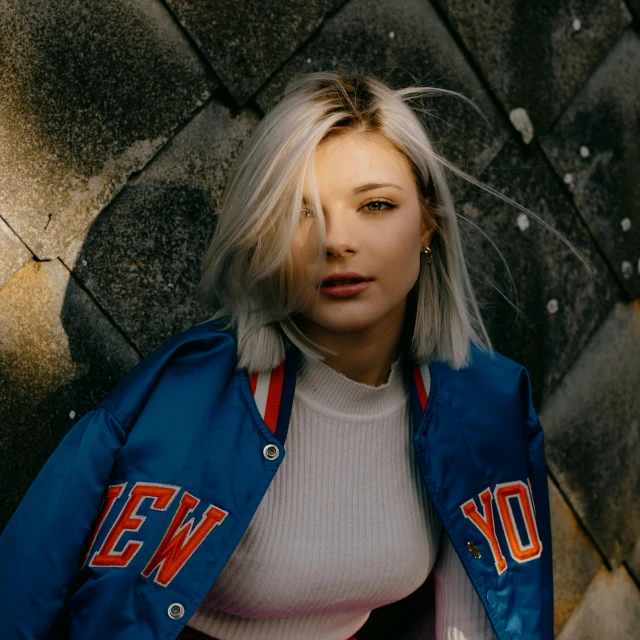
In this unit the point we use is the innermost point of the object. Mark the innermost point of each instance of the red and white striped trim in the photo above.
(267, 392)
(422, 377)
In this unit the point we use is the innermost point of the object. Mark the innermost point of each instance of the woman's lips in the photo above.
(345, 290)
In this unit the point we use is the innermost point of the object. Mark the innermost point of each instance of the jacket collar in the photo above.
(273, 392)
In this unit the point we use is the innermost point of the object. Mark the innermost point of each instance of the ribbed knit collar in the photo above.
(331, 392)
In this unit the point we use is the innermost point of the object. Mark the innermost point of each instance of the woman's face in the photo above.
(374, 231)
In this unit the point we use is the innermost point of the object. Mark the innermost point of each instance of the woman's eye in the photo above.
(389, 205)
(378, 206)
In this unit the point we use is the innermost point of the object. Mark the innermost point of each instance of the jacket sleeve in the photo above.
(41, 548)
(539, 488)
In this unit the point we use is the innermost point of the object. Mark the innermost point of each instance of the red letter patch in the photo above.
(111, 495)
(505, 493)
(485, 525)
(129, 520)
(182, 539)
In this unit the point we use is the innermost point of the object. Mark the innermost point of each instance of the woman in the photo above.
(346, 329)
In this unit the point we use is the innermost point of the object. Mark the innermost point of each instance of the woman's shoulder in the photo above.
(483, 363)
(204, 354)
(491, 380)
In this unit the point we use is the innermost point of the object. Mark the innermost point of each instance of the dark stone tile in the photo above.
(90, 92)
(592, 434)
(141, 257)
(575, 559)
(610, 609)
(59, 357)
(560, 301)
(633, 561)
(13, 254)
(594, 148)
(403, 42)
(536, 55)
(634, 7)
(245, 42)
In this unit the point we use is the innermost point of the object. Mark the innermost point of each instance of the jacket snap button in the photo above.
(491, 597)
(176, 611)
(271, 452)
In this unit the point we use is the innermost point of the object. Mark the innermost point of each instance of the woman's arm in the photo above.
(42, 546)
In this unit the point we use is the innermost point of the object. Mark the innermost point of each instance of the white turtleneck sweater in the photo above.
(346, 526)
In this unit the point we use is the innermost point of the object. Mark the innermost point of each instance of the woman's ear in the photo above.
(426, 237)
(428, 221)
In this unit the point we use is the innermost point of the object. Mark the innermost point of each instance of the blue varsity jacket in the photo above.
(134, 515)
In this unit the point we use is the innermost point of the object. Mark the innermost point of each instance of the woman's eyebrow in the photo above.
(369, 186)
(374, 185)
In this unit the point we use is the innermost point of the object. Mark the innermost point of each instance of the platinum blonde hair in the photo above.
(248, 271)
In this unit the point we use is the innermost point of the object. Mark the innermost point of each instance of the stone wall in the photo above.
(118, 124)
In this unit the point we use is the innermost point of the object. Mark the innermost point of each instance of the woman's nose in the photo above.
(342, 234)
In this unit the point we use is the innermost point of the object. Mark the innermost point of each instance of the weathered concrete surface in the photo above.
(562, 302)
(59, 356)
(90, 92)
(595, 149)
(610, 610)
(575, 560)
(404, 42)
(141, 257)
(536, 55)
(245, 42)
(592, 430)
(13, 253)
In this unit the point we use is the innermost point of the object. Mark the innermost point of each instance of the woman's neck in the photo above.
(365, 355)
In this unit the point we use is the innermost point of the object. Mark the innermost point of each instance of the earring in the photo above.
(427, 250)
